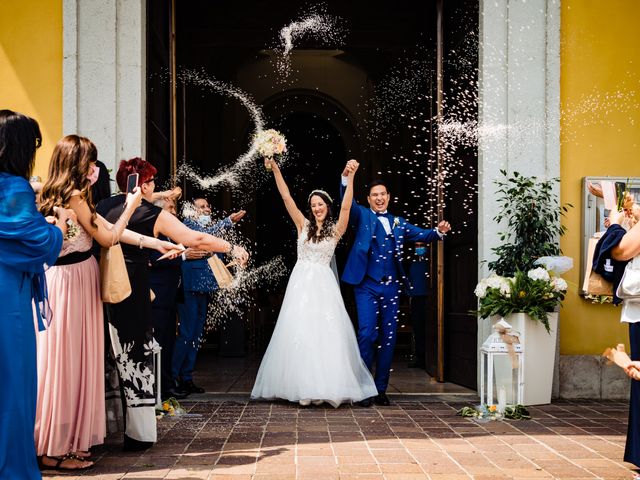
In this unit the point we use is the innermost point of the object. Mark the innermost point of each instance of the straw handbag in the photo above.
(114, 279)
(220, 271)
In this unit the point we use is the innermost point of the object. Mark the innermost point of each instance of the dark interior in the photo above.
(389, 127)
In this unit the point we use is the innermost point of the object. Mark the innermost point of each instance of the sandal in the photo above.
(83, 464)
(81, 454)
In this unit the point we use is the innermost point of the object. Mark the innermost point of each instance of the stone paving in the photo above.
(410, 440)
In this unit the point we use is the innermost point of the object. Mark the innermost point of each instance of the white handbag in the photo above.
(629, 288)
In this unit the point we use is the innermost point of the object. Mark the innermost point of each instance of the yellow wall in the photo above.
(600, 132)
(31, 67)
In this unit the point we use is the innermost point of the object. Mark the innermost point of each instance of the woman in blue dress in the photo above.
(27, 242)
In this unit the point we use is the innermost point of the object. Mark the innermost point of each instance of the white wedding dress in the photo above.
(313, 354)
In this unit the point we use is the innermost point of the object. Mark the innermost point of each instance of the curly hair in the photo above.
(327, 229)
(68, 170)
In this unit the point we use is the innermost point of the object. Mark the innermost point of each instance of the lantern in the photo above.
(501, 368)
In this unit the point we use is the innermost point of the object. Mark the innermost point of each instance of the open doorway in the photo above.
(372, 98)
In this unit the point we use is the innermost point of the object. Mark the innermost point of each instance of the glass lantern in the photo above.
(501, 383)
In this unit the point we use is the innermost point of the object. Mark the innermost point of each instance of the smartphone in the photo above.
(132, 182)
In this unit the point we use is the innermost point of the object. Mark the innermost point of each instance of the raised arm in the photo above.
(347, 198)
(295, 214)
(173, 228)
(354, 214)
(629, 246)
(105, 233)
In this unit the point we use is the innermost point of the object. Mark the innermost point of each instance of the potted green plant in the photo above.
(525, 286)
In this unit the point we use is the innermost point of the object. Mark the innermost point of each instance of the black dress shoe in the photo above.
(367, 402)
(177, 394)
(382, 400)
(191, 387)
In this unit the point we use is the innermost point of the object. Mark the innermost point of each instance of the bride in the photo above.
(313, 354)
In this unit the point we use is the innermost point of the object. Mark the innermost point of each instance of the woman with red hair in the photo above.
(130, 324)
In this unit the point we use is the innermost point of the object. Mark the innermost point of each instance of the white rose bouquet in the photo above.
(270, 143)
(536, 293)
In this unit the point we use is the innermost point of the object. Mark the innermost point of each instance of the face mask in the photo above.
(93, 176)
(204, 219)
(421, 251)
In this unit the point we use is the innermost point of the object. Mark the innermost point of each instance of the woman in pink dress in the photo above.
(70, 416)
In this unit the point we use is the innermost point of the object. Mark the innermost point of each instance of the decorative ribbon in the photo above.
(509, 340)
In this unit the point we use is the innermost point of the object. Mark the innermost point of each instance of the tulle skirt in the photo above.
(70, 415)
(313, 353)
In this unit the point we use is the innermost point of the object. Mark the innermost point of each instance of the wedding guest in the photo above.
(418, 306)
(313, 353)
(70, 416)
(627, 248)
(27, 242)
(199, 284)
(130, 321)
(374, 268)
(164, 278)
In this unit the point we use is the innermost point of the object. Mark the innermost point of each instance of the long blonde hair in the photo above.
(68, 170)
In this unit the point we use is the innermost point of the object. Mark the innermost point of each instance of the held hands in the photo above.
(350, 168)
(237, 216)
(134, 199)
(443, 227)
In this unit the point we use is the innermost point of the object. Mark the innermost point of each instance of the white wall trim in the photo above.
(104, 75)
(519, 105)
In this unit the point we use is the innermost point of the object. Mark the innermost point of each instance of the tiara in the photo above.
(322, 192)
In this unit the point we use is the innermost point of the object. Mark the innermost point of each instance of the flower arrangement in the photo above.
(491, 412)
(535, 292)
(170, 407)
(270, 142)
(73, 230)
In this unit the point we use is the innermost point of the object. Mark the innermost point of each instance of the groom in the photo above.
(374, 268)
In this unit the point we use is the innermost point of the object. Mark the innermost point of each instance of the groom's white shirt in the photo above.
(385, 221)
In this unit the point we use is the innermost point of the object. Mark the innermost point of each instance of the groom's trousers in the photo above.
(377, 303)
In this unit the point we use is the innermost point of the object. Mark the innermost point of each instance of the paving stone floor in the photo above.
(415, 438)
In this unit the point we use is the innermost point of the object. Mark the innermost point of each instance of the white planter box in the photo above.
(538, 357)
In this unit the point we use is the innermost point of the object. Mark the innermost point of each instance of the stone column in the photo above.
(519, 104)
(104, 75)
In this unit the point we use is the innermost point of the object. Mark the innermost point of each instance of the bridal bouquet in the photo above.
(270, 142)
(535, 292)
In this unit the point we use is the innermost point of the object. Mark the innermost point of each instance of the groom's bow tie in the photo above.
(385, 215)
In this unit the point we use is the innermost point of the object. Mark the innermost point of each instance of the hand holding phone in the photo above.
(132, 182)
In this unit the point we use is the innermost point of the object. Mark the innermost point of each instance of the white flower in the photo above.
(270, 142)
(505, 287)
(539, 274)
(481, 289)
(495, 281)
(559, 284)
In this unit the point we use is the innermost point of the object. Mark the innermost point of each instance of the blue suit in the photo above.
(198, 283)
(374, 267)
